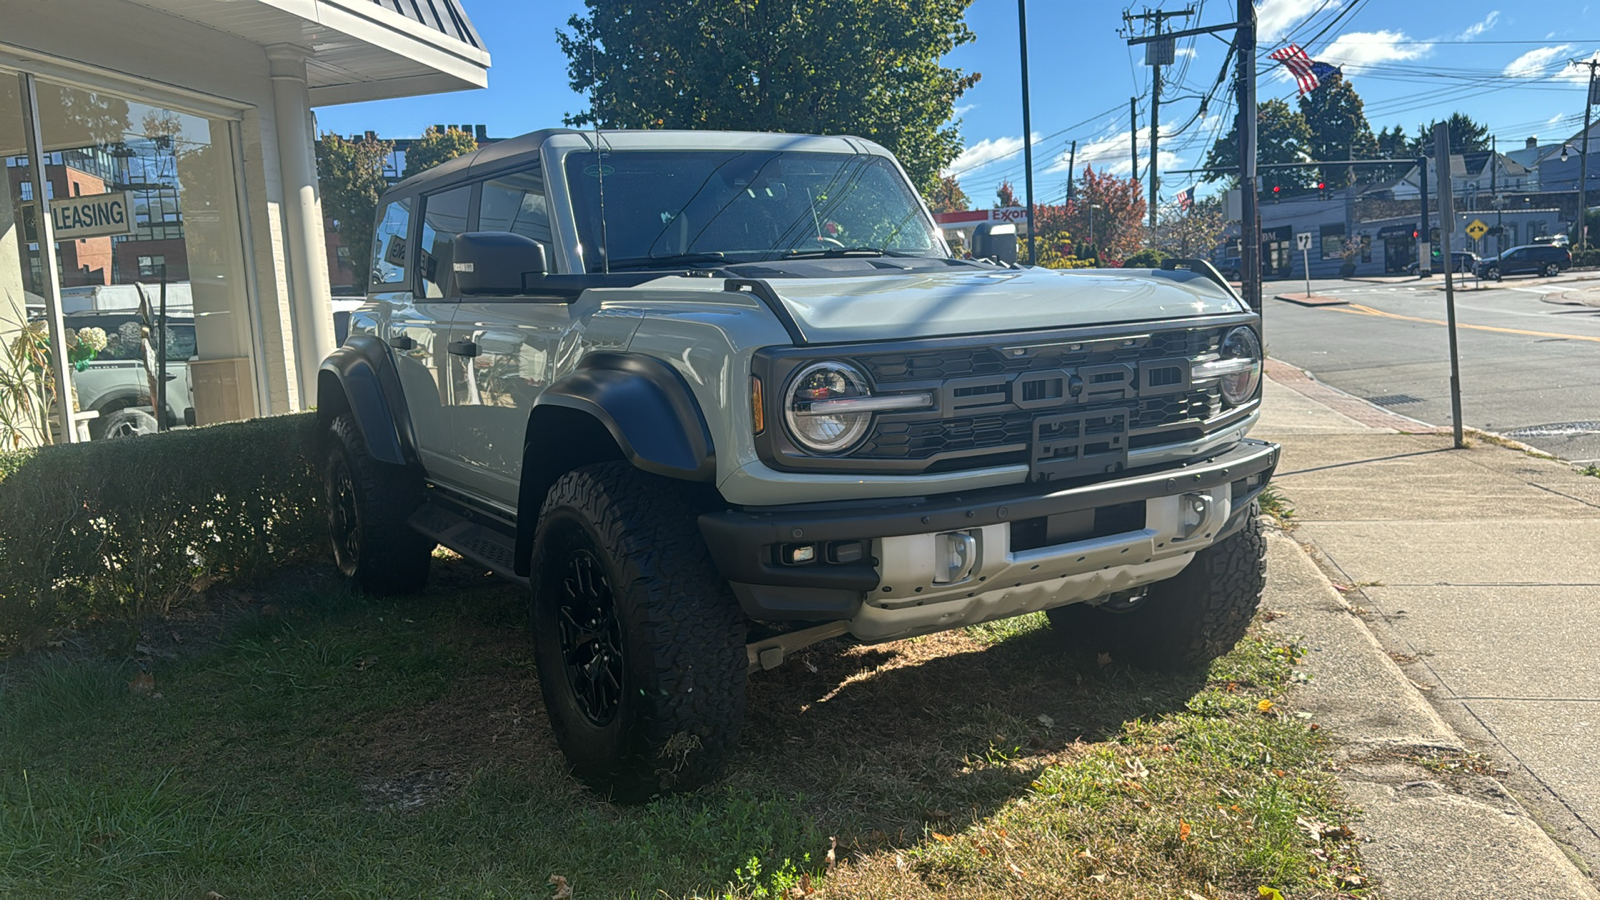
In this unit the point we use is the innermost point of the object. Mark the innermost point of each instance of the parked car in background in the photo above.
(116, 383)
(1464, 262)
(1529, 259)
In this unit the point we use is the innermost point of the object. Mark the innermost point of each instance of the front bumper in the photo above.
(1003, 534)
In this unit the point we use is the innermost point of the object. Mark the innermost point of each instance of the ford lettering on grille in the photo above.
(1066, 387)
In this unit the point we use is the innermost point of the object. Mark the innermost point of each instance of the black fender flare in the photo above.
(644, 405)
(360, 377)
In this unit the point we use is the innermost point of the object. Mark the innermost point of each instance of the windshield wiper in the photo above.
(667, 260)
(832, 252)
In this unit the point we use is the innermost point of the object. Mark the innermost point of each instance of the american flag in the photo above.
(1307, 72)
(1186, 199)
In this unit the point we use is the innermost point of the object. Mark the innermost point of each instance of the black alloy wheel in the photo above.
(638, 641)
(344, 522)
(590, 635)
(368, 505)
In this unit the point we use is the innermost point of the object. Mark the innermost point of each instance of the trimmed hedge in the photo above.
(129, 527)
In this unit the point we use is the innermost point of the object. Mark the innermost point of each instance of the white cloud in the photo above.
(1184, 51)
(1112, 152)
(1359, 49)
(963, 109)
(1577, 74)
(1534, 63)
(1274, 18)
(986, 151)
(1481, 27)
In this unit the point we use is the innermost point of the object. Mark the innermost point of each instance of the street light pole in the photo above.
(1027, 131)
(1583, 159)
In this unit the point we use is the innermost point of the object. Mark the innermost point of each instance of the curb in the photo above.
(1312, 300)
(1364, 411)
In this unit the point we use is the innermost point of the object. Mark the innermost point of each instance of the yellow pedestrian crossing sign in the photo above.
(1477, 229)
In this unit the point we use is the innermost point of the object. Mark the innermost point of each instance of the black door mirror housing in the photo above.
(496, 263)
(996, 241)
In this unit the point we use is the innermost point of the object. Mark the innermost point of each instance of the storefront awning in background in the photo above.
(360, 49)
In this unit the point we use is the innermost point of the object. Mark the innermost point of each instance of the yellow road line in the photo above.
(1359, 310)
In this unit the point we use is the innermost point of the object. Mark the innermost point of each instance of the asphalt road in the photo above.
(1530, 357)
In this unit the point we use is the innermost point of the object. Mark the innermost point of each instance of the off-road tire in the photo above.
(1186, 621)
(674, 623)
(368, 503)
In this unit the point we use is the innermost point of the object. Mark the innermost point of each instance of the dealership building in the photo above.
(173, 139)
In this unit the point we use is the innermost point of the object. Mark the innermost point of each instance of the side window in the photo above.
(516, 203)
(443, 217)
(389, 243)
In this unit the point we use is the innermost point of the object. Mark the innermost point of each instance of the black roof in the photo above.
(444, 16)
(487, 156)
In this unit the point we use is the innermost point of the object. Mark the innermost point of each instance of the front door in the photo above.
(513, 344)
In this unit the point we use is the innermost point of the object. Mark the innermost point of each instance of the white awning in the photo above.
(358, 49)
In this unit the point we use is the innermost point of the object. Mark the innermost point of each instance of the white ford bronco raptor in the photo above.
(715, 397)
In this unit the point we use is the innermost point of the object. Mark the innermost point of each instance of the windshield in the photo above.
(674, 207)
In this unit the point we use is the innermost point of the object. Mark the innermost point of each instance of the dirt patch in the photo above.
(488, 719)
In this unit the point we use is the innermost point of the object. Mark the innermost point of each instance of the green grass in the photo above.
(353, 747)
(1278, 507)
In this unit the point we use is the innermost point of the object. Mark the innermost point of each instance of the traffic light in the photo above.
(1322, 191)
(1276, 190)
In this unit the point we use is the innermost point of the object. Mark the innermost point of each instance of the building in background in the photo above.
(174, 137)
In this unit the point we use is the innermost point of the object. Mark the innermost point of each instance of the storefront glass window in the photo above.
(144, 195)
(24, 402)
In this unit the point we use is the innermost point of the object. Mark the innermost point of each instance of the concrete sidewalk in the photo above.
(1455, 655)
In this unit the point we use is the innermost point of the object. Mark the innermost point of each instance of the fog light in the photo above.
(799, 554)
(844, 552)
(1193, 511)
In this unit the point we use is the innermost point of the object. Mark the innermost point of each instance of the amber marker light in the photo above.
(758, 411)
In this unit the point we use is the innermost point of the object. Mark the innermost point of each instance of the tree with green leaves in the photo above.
(435, 147)
(1282, 136)
(1466, 135)
(350, 176)
(862, 67)
(1338, 126)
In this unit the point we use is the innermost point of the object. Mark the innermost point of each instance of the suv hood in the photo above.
(936, 304)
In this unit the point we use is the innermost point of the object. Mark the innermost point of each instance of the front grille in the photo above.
(906, 437)
(889, 369)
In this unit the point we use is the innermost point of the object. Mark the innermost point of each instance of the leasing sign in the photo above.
(92, 215)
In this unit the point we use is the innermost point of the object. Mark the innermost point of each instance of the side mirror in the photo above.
(996, 241)
(496, 263)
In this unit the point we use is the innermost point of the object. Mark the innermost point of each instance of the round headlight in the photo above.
(815, 420)
(1240, 385)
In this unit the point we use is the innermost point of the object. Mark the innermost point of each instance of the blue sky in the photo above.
(1504, 65)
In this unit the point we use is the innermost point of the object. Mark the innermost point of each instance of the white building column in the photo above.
(307, 255)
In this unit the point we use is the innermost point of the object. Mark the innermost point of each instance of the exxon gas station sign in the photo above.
(1017, 214)
(93, 215)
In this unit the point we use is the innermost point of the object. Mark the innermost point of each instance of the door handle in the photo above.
(464, 348)
(402, 342)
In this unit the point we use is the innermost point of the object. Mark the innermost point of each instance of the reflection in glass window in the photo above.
(515, 203)
(389, 243)
(443, 217)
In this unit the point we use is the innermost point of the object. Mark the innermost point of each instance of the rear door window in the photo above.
(444, 215)
(389, 243)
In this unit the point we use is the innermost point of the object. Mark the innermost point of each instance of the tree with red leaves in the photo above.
(1118, 219)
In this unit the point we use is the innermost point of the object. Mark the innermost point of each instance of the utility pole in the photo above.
(1424, 236)
(1244, 43)
(1494, 192)
(1158, 53)
(1133, 135)
(1583, 159)
(1027, 131)
(1249, 220)
(1072, 163)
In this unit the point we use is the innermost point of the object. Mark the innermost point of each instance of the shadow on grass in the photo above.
(390, 747)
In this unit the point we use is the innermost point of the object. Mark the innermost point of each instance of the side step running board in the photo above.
(486, 546)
